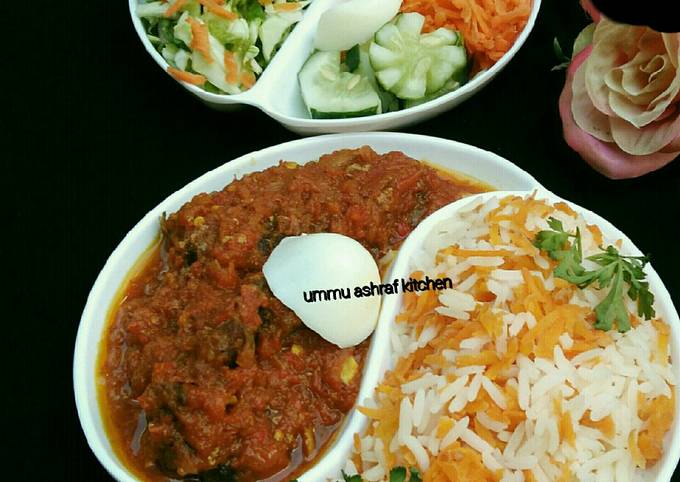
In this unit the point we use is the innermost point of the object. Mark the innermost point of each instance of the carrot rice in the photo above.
(504, 378)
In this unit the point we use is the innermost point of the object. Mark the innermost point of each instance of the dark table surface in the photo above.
(107, 136)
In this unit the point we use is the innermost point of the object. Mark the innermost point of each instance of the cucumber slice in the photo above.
(388, 101)
(331, 93)
(411, 64)
(450, 86)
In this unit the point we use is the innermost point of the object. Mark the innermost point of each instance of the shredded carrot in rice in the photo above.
(200, 41)
(658, 417)
(606, 425)
(489, 27)
(456, 251)
(555, 317)
(188, 77)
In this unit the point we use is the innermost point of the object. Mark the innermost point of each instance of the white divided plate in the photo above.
(379, 357)
(474, 162)
(277, 92)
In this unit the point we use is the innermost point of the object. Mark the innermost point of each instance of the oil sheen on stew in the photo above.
(207, 376)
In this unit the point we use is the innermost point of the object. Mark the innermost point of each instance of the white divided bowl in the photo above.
(462, 158)
(277, 92)
(379, 357)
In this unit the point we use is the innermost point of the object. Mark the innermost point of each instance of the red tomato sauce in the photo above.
(206, 375)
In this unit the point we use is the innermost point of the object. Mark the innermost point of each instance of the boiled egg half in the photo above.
(315, 275)
(353, 22)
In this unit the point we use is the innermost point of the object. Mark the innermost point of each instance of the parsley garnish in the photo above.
(615, 271)
(397, 474)
(351, 478)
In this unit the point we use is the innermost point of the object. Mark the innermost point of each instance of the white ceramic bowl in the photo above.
(379, 357)
(277, 92)
(472, 161)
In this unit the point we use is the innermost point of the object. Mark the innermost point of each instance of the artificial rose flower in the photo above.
(620, 106)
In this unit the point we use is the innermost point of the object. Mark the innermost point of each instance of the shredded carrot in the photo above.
(374, 413)
(657, 415)
(188, 77)
(606, 425)
(564, 207)
(213, 6)
(664, 332)
(492, 323)
(445, 424)
(174, 8)
(484, 358)
(566, 429)
(231, 67)
(597, 234)
(489, 27)
(455, 251)
(248, 79)
(200, 41)
(286, 7)
(566, 474)
(635, 454)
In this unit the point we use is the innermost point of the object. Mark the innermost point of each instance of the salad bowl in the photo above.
(277, 91)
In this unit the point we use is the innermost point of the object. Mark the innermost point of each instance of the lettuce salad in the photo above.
(219, 45)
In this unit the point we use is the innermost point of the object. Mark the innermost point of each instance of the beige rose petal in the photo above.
(652, 42)
(672, 42)
(642, 115)
(632, 82)
(651, 75)
(586, 116)
(613, 45)
(645, 81)
(646, 140)
(660, 71)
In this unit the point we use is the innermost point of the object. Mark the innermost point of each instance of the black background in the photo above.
(95, 135)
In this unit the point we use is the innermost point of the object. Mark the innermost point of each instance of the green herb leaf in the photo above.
(251, 10)
(612, 309)
(551, 241)
(414, 475)
(559, 54)
(351, 478)
(398, 474)
(615, 271)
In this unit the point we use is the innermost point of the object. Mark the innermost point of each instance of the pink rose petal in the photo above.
(605, 157)
(584, 113)
(673, 146)
(591, 10)
(645, 140)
